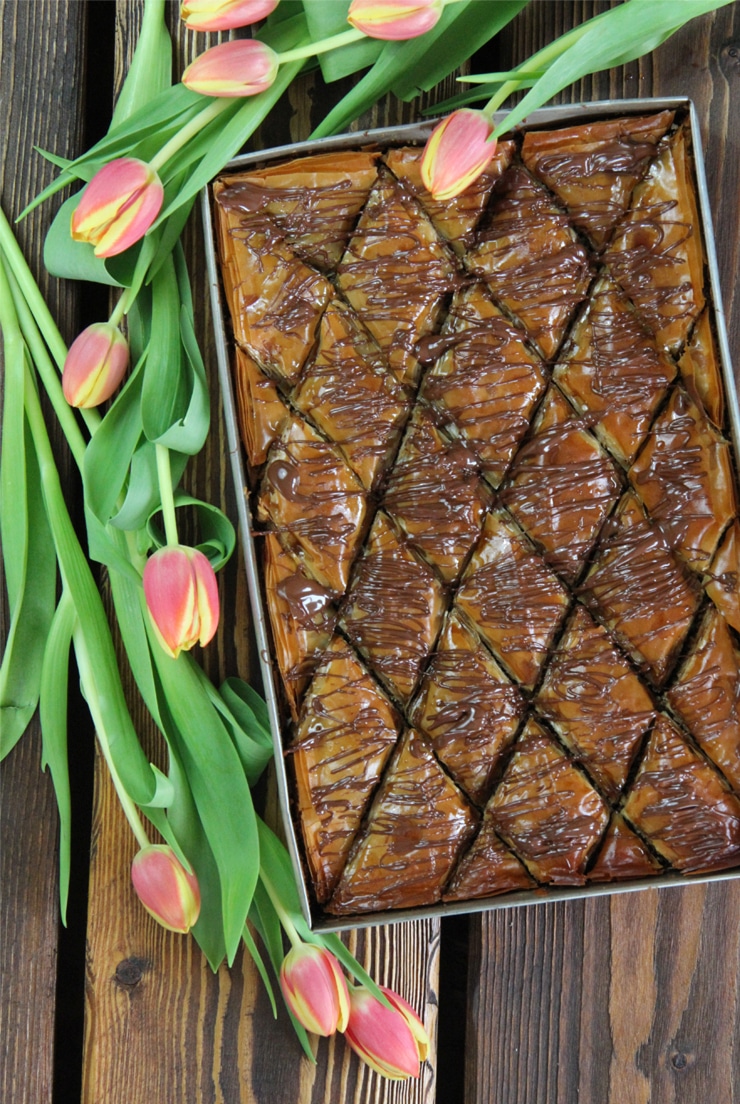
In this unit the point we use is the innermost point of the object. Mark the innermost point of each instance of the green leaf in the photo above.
(218, 784)
(253, 744)
(30, 566)
(69, 259)
(237, 694)
(53, 716)
(326, 20)
(216, 534)
(611, 38)
(251, 946)
(150, 71)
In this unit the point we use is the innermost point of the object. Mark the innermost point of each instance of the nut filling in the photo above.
(495, 502)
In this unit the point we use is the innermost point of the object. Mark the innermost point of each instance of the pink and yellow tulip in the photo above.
(242, 67)
(95, 365)
(392, 1041)
(224, 15)
(394, 19)
(315, 989)
(118, 206)
(166, 890)
(182, 597)
(457, 152)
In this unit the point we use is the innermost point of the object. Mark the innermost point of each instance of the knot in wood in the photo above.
(130, 971)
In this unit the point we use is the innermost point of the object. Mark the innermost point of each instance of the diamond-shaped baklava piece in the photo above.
(435, 494)
(262, 410)
(468, 707)
(594, 167)
(275, 300)
(417, 827)
(395, 274)
(315, 502)
(531, 259)
(656, 253)
(706, 695)
(347, 731)
(488, 869)
(595, 702)
(486, 380)
(684, 477)
(313, 200)
(514, 600)
(455, 219)
(561, 486)
(613, 370)
(622, 855)
(394, 609)
(701, 371)
(547, 810)
(640, 590)
(350, 395)
(302, 617)
(682, 806)
(723, 586)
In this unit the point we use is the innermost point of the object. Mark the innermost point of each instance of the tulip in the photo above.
(165, 889)
(95, 365)
(315, 989)
(118, 206)
(224, 15)
(393, 1041)
(242, 67)
(457, 152)
(182, 597)
(394, 19)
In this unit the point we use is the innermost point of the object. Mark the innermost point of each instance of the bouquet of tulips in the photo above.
(219, 870)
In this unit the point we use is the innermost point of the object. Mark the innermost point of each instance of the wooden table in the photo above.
(627, 1000)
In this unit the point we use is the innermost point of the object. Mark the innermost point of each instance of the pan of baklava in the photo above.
(485, 453)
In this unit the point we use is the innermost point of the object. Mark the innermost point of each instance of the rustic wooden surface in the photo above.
(631, 1000)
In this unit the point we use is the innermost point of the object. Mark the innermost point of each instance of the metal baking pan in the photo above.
(409, 135)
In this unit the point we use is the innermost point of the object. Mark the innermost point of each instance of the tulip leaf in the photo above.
(252, 742)
(235, 690)
(150, 71)
(60, 162)
(256, 957)
(219, 787)
(216, 534)
(70, 259)
(128, 600)
(53, 716)
(325, 20)
(142, 492)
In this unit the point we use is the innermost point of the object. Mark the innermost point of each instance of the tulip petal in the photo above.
(241, 67)
(457, 152)
(95, 365)
(224, 15)
(382, 1036)
(166, 890)
(314, 988)
(182, 597)
(118, 206)
(394, 20)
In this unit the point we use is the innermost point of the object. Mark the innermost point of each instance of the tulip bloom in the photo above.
(182, 597)
(457, 152)
(95, 365)
(242, 67)
(224, 15)
(118, 206)
(165, 889)
(315, 989)
(394, 19)
(393, 1041)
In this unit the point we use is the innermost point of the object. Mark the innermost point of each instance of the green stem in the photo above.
(285, 920)
(313, 49)
(90, 690)
(167, 498)
(196, 124)
(123, 306)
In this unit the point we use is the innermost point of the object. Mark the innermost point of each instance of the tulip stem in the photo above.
(313, 49)
(123, 306)
(167, 498)
(285, 920)
(196, 124)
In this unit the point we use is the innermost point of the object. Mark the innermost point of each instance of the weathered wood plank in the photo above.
(41, 62)
(633, 998)
(159, 1025)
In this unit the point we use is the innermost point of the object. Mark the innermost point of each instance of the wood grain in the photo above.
(632, 999)
(41, 48)
(159, 1025)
